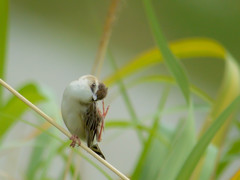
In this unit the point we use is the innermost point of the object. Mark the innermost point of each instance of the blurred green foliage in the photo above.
(167, 154)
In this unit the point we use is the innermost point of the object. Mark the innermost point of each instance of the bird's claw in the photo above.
(103, 115)
(75, 140)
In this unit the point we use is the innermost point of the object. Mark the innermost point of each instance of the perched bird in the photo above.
(80, 113)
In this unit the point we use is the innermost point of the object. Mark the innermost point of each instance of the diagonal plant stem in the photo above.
(150, 139)
(77, 167)
(105, 38)
(127, 101)
(173, 65)
(51, 121)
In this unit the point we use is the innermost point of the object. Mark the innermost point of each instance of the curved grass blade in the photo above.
(159, 78)
(172, 63)
(186, 48)
(204, 141)
(126, 124)
(229, 91)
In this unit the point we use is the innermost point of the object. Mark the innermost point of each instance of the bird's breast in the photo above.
(72, 114)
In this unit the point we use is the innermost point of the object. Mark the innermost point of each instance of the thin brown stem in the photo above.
(69, 161)
(77, 167)
(105, 38)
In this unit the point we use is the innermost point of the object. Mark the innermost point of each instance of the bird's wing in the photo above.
(92, 121)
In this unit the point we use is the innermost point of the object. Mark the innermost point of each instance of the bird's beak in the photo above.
(94, 97)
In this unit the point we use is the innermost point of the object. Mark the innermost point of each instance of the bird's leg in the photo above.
(75, 140)
(103, 115)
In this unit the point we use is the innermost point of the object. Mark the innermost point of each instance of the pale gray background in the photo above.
(55, 42)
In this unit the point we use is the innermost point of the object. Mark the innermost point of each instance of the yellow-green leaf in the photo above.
(185, 48)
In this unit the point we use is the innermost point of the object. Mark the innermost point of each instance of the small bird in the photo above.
(80, 112)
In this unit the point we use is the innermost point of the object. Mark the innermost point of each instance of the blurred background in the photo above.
(52, 43)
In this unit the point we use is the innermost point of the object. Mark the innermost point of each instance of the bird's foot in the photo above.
(75, 140)
(103, 115)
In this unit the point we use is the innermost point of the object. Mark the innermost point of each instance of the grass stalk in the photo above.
(127, 101)
(97, 66)
(69, 160)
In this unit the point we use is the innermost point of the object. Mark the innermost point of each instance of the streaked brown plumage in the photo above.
(92, 127)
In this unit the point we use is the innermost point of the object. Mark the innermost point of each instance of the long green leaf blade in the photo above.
(150, 141)
(172, 63)
(186, 48)
(3, 39)
(127, 101)
(181, 147)
(36, 157)
(204, 141)
(209, 164)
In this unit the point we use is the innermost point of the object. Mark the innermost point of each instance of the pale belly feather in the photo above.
(72, 115)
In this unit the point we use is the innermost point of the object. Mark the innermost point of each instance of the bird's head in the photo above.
(87, 89)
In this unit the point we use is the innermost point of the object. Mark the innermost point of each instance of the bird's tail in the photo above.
(97, 150)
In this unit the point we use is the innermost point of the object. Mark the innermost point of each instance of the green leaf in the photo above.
(126, 124)
(209, 164)
(171, 61)
(61, 151)
(153, 160)
(204, 141)
(185, 48)
(159, 78)
(126, 99)
(233, 153)
(38, 168)
(229, 91)
(147, 147)
(3, 39)
(14, 108)
(50, 153)
(37, 156)
(182, 144)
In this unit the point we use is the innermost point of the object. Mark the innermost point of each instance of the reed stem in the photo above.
(97, 66)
